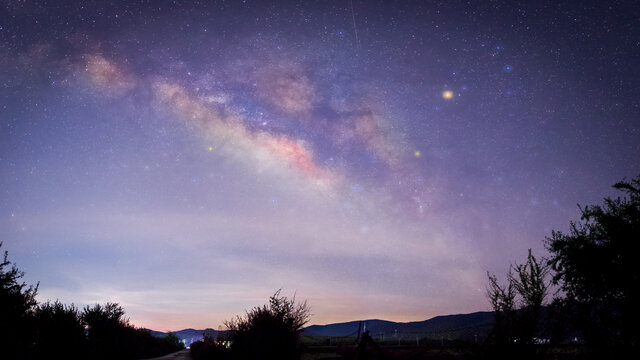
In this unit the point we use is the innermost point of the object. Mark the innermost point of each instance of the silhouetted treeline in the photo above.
(594, 268)
(52, 330)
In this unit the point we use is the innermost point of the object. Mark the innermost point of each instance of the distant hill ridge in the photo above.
(458, 326)
(187, 336)
(451, 326)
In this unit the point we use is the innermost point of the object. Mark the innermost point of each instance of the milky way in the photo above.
(376, 158)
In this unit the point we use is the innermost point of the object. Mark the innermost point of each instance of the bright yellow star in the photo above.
(210, 148)
(417, 153)
(447, 94)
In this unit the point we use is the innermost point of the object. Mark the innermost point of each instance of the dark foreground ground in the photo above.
(541, 352)
(471, 352)
(180, 355)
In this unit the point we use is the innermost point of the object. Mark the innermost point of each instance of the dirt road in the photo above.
(180, 355)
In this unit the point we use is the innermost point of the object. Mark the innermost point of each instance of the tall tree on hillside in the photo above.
(596, 266)
(17, 302)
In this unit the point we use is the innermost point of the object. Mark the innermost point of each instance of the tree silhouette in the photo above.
(17, 302)
(596, 266)
(106, 328)
(531, 282)
(54, 330)
(110, 336)
(527, 284)
(58, 332)
(502, 299)
(271, 331)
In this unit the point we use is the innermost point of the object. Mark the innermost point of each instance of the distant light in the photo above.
(447, 94)
(507, 68)
(210, 148)
(417, 153)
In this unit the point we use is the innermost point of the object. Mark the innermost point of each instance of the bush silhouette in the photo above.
(208, 349)
(271, 331)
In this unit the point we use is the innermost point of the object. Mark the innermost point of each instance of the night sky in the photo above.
(375, 158)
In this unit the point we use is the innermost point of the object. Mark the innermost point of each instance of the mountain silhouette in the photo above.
(459, 326)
